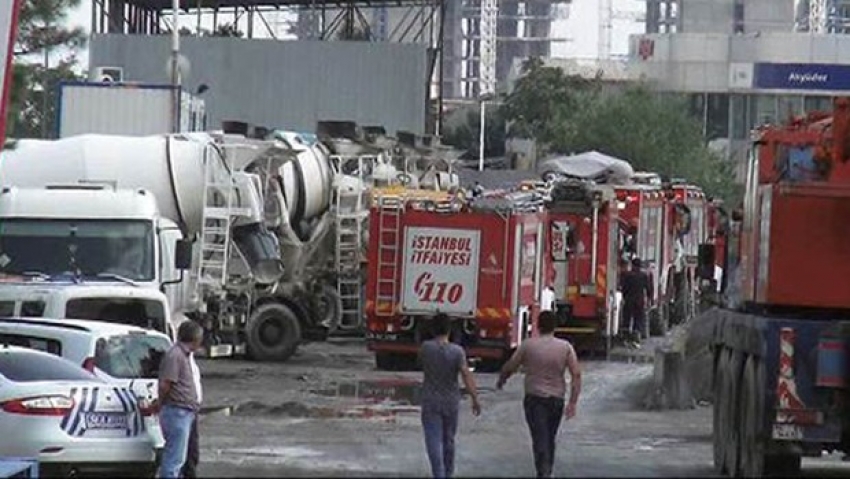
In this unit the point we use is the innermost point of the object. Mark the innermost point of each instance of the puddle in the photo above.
(397, 391)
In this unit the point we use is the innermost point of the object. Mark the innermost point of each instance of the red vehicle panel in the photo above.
(481, 266)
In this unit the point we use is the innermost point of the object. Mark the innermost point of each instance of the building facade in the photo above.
(737, 82)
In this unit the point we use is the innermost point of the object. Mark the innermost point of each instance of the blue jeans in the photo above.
(176, 423)
(543, 415)
(439, 422)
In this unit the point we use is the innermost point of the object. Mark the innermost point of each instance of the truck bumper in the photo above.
(478, 351)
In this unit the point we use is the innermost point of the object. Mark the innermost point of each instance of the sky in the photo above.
(581, 28)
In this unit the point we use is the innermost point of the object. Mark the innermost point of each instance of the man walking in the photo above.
(442, 362)
(179, 394)
(636, 289)
(546, 359)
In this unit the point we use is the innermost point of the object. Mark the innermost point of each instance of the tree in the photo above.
(653, 132)
(465, 136)
(41, 32)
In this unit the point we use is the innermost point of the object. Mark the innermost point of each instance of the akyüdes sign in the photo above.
(8, 31)
(440, 270)
(801, 76)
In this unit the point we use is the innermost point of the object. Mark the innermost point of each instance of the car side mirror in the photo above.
(183, 254)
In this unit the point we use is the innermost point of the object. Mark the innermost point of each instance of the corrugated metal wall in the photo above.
(285, 84)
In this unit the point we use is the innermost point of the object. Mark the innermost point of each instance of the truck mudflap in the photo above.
(805, 364)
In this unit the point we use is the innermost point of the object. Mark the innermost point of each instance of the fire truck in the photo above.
(641, 208)
(781, 372)
(585, 242)
(480, 261)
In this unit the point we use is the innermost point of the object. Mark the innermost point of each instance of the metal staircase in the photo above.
(216, 222)
(389, 232)
(350, 222)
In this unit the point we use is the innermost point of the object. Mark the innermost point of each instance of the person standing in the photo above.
(546, 360)
(179, 395)
(442, 362)
(637, 292)
(193, 453)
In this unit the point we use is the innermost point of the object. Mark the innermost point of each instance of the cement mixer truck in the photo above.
(225, 207)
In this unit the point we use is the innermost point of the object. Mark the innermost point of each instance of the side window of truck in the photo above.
(32, 309)
(7, 309)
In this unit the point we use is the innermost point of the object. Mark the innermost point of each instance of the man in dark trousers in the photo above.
(546, 360)
(637, 292)
(442, 362)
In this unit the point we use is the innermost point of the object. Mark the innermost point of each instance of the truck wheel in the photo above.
(752, 402)
(395, 361)
(718, 412)
(734, 375)
(329, 308)
(272, 333)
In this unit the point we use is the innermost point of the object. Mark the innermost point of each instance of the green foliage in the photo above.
(41, 30)
(651, 131)
(465, 135)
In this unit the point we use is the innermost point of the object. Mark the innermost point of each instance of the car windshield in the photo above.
(86, 247)
(27, 366)
(131, 356)
(143, 313)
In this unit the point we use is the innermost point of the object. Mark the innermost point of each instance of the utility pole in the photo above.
(175, 68)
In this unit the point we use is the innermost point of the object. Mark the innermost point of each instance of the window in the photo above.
(7, 309)
(130, 356)
(56, 247)
(144, 313)
(717, 116)
(738, 113)
(28, 366)
(32, 309)
(32, 342)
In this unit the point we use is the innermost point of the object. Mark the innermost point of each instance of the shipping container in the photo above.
(112, 108)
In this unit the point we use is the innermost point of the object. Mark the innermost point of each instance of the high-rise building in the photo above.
(517, 28)
(719, 16)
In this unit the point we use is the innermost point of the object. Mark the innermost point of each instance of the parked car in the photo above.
(123, 355)
(72, 421)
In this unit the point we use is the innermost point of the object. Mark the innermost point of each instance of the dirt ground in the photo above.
(329, 412)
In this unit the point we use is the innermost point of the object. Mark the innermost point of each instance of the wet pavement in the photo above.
(329, 412)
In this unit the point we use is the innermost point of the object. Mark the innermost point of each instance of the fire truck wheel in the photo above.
(718, 412)
(394, 361)
(272, 333)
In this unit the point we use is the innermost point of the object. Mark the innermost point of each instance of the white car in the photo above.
(123, 355)
(72, 422)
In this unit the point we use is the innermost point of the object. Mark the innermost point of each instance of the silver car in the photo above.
(71, 421)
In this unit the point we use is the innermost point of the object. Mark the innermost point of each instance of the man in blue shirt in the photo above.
(442, 362)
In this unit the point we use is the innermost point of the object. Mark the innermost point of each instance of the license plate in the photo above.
(787, 432)
(96, 420)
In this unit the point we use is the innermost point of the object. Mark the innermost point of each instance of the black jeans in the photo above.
(544, 416)
(193, 454)
(634, 318)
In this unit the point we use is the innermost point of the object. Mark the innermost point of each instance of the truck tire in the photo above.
(752, 402)
(734, 376)
(719, 412)
(395, 361)
(272, 333)
(329, 308)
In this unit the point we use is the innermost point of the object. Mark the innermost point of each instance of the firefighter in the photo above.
(636, 290)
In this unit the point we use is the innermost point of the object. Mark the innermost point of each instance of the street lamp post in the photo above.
(481, 131)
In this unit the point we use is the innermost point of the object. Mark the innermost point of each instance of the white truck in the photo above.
(128, 210)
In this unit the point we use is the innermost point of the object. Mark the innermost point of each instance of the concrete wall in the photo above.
(285, 84)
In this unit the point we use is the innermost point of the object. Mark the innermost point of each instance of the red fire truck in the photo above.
(641, 209)
(480, 262)
(585, 242)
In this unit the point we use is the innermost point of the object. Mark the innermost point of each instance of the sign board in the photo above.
(801, 76)
(440, 270)
(8, 32)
